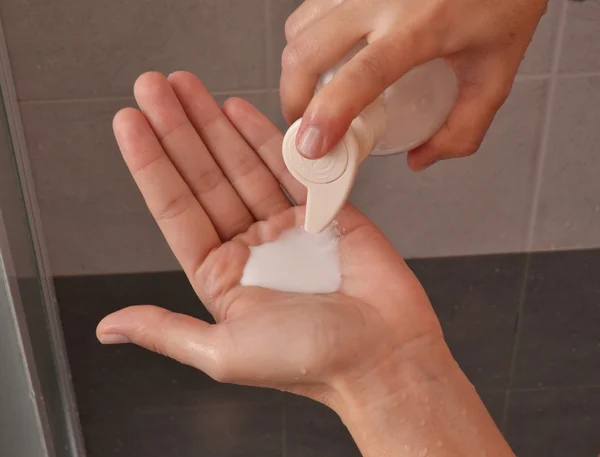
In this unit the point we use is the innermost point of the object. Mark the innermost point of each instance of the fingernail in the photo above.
(113, 338)
(310, 144)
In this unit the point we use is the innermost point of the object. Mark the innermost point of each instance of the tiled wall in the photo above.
(533, 185)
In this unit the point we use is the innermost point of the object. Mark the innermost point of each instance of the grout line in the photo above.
(516, 339)
(504, 425)
(77, 100)
(543, 76)
(268, 44)
(131, 98)
(546, 128)
(550, 388)
(583, 74)
(539, 173)
(283, 429)
(539, 77)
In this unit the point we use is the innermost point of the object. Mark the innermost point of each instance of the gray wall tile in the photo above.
(75, 49)
(279, 11)
(66, 49)
(538, 58)
(275, 113)
(477, 312)
(94, 218)
(225, 430)
(557, 344)
(467, 206)
(569, 202)
(313, 429)
(581, 42)
(555, 422)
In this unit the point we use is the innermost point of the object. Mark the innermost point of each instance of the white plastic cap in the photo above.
(328, 180)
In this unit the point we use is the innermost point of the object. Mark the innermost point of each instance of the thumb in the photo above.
(180, 337)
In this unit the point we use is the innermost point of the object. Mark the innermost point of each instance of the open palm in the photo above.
(213, 181)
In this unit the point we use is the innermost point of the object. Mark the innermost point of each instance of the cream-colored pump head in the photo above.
(329, 180)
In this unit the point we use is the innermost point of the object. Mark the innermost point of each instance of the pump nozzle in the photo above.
(329, 179)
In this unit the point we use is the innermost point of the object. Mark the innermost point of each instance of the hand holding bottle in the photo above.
(483, 41)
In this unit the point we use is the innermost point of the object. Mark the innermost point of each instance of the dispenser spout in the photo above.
(328, 180)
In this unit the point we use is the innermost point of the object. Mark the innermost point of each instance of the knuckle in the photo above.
(149, 336)
(208, 179)
(372, 68)
(246, 165)
(220, 371)
(467, 147)
(292, 57)
(175, 207)
(291, 28)
(500, 94)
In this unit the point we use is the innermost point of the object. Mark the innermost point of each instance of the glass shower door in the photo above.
(37, 408)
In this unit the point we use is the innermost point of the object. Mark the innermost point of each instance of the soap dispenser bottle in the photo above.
(404, 117)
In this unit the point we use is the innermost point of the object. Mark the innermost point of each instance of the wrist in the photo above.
(428, 365)
(417, 405)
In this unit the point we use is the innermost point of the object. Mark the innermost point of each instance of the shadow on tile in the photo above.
(495, 402)
(559, 342)
(233, 430)
(128, 378)
(312, 429)
(555, 422)
(476, 301)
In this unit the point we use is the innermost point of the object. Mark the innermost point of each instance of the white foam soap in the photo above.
(296, 262)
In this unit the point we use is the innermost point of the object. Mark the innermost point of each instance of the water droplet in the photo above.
(463, 412)
(439, 443)
(421, 422)
(408, 448)
(423, 452)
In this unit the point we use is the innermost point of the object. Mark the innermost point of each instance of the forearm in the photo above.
(430, 411)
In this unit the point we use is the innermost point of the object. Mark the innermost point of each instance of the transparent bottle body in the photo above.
(412, 109)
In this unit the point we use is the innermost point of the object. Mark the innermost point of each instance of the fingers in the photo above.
(185, 225)
(251, 179)
(315, 50)
(467, 125)
(183, 338)
(357, 84)
(190, 156)
(266, 140)
(306, 14)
